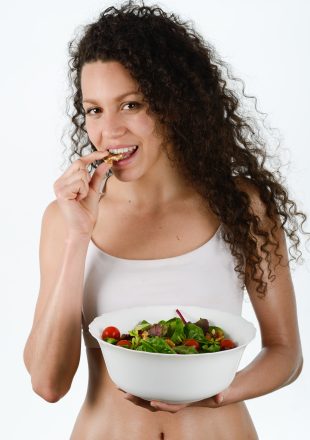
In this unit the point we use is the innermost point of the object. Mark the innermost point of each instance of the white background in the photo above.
(267, 44)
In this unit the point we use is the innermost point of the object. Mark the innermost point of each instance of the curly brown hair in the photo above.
(180, 76)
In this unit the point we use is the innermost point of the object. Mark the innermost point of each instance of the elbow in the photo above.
(49, 393)
(49, 385)
(297, 370)
(51, 389)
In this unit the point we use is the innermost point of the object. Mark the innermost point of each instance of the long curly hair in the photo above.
(182, 79)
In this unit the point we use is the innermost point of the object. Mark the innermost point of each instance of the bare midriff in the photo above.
(107, 415)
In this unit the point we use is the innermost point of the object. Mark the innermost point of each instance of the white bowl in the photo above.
(172, 378)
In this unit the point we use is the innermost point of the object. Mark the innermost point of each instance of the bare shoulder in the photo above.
(256, 203)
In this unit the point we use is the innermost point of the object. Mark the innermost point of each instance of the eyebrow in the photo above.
(118, 98)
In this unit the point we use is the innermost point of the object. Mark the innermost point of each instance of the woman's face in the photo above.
(116, 118)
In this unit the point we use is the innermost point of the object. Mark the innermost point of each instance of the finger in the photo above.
(64, 182)
(83, 192)
(95, 155)
(84, 161)
(140, 402)
(218, 398)
(78, 185)
(168, 406)
(70, 192)
(206, 403)
(80, 174)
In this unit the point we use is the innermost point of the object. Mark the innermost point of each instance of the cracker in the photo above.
(113, 157)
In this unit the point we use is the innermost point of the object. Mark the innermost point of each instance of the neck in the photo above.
(152, 191)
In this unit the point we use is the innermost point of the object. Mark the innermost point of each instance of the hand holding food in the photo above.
(157, 405)
(77, 193)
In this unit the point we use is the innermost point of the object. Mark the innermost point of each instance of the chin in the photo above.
(126, 175)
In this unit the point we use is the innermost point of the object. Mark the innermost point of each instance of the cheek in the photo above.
(91, 130)
(145, 125)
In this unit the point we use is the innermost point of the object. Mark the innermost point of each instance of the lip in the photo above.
(123, 163)
(117, 147)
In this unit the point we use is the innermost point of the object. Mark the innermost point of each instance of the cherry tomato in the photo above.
(192, 343)
(227, 344)
(124, 343)
(111, 332)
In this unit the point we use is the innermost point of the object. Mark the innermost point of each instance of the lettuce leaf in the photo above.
(155, 345)
(192, 331)
(185, 349)
(176, 330)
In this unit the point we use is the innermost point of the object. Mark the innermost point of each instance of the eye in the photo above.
(132, 103)
(90, 110)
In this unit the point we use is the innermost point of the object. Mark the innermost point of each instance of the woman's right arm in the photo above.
(52, 351)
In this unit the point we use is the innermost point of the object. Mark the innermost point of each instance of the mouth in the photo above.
(121, 156)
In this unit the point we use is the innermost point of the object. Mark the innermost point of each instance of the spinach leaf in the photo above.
(143, 325)
(155, 345)
(176, 330)
(192, 331)
(185, 349)
(145, 346)
(211, 346)
(111, 340)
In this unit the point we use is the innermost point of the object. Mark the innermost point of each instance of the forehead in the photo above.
(109, 75)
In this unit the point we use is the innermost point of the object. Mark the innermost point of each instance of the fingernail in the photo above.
(154, 404)
(221, 398)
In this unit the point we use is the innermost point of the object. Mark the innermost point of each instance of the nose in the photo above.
(113, 126)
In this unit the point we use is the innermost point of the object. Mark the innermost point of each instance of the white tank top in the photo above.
(202, 277)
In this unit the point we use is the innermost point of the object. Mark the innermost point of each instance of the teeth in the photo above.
(122, 150)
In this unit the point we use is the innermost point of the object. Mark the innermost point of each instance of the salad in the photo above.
(175, 336)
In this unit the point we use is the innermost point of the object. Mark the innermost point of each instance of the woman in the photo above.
(192, 201)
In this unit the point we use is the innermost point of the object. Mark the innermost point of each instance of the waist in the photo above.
(106, 409)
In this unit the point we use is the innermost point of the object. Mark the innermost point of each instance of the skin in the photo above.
(151, 182)
(139, 197)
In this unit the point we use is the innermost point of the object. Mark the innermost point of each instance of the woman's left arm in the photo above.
(280, 360)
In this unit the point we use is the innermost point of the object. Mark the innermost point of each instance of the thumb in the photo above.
(98, 176)
(218, 398)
